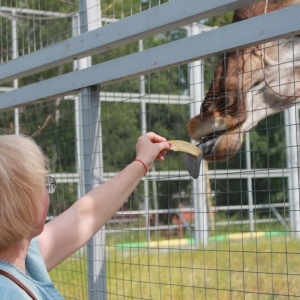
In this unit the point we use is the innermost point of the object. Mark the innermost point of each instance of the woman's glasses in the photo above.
(50, 184)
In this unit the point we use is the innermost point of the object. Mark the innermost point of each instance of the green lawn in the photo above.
(263, 268)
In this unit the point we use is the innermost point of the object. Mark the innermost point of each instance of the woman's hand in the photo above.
(150, 147)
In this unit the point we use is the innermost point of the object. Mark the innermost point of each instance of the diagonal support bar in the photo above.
(278, 23)
(159, 19)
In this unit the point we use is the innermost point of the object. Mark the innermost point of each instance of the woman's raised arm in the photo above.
(73, 228)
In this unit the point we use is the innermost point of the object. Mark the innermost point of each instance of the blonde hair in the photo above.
(23, 168)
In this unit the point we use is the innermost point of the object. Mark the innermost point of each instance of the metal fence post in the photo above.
(15, 54)
(91, 171)
(291, 130)
(199, 191)
(90, 153)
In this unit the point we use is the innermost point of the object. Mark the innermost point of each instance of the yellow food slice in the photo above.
(183, 146)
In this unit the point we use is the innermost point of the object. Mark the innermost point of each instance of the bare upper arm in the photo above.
(61, 237)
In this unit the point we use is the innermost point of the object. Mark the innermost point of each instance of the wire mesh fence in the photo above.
(232, 233)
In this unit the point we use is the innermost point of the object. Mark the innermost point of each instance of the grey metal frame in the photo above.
(82, 82)
(89, 151)
(159, 19)
(178, 52)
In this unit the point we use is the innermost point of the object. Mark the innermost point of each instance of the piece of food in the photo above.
(183, 146)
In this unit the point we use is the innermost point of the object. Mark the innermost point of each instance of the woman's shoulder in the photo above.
(10, 291)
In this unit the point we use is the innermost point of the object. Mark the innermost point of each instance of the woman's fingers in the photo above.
(155, 138)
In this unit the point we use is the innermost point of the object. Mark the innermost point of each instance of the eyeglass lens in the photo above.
(50, 184)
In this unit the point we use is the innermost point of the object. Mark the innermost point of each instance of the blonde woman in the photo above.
(28, 247)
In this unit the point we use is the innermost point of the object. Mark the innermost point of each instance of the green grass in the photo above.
(264, 268)
(70, 277)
